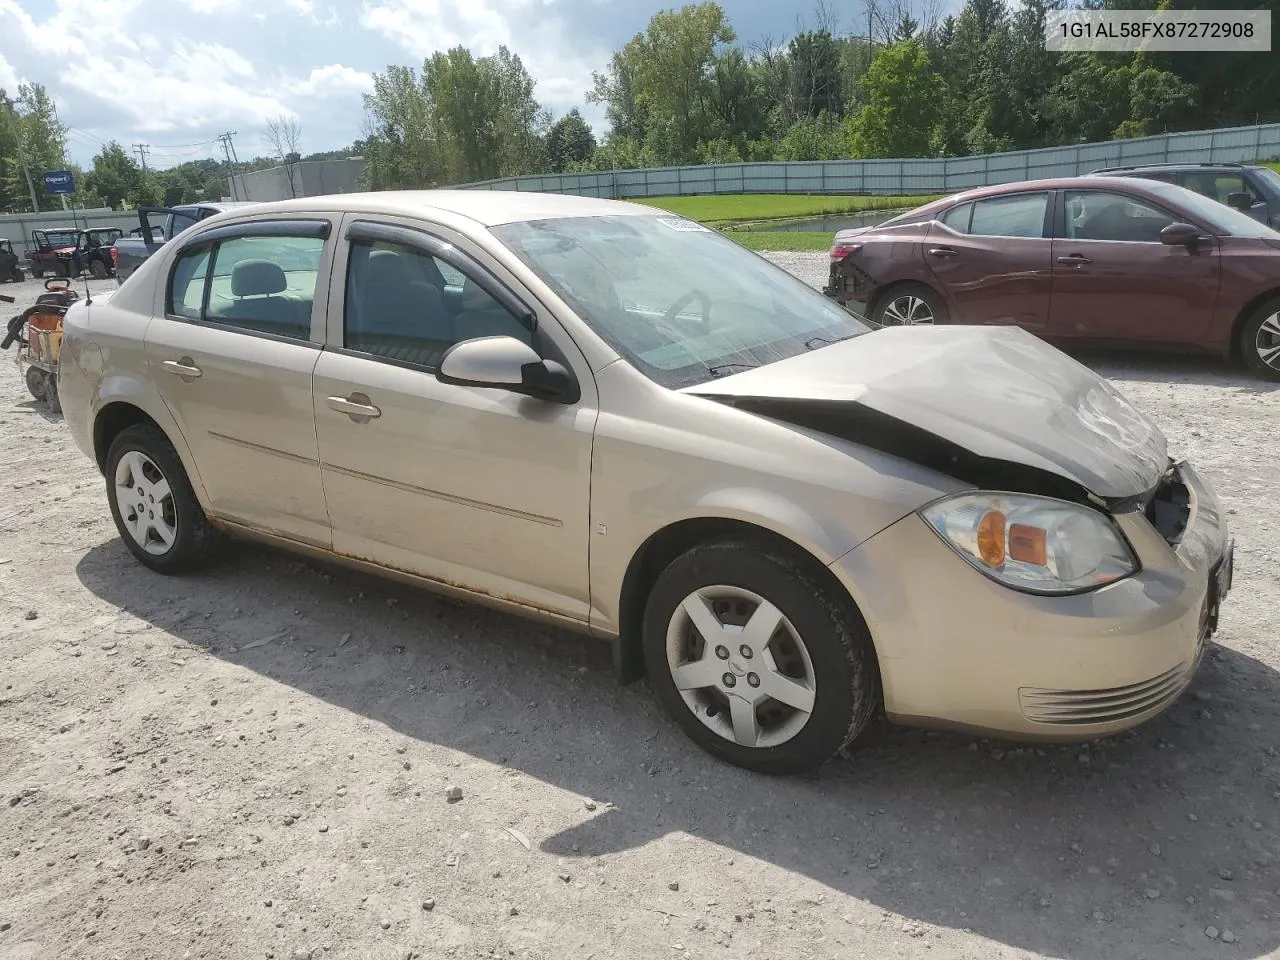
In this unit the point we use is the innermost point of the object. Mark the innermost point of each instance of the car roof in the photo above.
(1087, 182)
(1177, 167)
(487, 207)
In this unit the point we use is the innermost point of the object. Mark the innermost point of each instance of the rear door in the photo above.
(1114, 279)
(993, 259)
(233, 357)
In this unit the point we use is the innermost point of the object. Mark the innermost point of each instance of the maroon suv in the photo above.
(1076, 260)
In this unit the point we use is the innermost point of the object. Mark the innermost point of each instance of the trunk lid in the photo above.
(988, 396)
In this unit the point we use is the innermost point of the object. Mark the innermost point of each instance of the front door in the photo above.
(477, 488)
(233, 357)
(1114, 280)
(993, 258)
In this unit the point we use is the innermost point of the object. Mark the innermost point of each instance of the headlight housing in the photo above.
(1036, 544)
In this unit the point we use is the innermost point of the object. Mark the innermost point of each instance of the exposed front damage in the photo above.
(995, 408)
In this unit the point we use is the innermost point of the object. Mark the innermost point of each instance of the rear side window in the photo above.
(258, 283)
(186, 288)
(1021, 215)
(957, 218)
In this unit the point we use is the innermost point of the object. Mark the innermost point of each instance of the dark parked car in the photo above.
(1076, 260)
(1251, 189)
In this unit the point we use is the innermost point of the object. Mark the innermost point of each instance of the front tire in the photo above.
(152, 503)
(1260, 340)
(98, 269)
(909, 304)
(37, 273)
(761, 661)
(37, 383)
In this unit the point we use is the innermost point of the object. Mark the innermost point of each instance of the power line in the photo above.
(228, 150)
(141, 150)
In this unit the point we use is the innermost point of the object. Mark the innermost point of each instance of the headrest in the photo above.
(255, 278)
(386, 269)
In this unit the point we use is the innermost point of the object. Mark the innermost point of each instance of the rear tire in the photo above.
(909, 304)
(98, 269)
(817, 657)
(1259, 341)
(154, 508)
(61, 270)
(37, 273)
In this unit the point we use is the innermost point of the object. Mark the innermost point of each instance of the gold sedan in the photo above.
(614, 419)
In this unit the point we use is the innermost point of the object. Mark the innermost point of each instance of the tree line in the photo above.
(687, 90)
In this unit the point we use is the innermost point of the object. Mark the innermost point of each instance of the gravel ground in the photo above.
(254, 763)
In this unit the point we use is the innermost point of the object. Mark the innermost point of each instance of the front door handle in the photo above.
(356, 406)
(1075, 259)
(942, 252)
(185, 368)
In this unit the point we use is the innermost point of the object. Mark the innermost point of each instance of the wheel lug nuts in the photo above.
(729, 679)
(722, 652)
(746, 652)
(753, 680)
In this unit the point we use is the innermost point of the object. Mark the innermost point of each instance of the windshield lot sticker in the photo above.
(684, 226)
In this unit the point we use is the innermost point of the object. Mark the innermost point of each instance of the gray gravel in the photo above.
(917, 845)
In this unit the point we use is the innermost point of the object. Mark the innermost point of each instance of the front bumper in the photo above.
(957, 650)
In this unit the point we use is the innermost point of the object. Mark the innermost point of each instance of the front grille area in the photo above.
(1169, 509)
(1103, 706)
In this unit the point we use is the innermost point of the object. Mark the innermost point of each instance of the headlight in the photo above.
(1033, 543)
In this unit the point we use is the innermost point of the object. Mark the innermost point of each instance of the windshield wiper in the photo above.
(719, 368)
(814, 342)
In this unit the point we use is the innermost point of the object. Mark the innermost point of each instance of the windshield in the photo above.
(677, 300)
(1223, 219)
(60, 238)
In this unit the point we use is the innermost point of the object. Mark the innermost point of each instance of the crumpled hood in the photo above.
(998, 394)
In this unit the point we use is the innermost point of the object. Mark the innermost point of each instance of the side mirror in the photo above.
(1180, 235)
(1240, 201)
(507, 364)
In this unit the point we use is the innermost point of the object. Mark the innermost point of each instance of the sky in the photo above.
(176, 73)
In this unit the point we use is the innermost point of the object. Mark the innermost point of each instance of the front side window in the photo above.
(404, 304)
(1094, 215)
(680, 302)
(262, 284)
(1021, 215)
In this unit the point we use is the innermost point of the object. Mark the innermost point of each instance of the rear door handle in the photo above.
(942, 252)
(184, 368)
(1076, 259)
(356, 406)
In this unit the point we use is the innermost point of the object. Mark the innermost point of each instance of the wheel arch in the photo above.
(883, 290)
(669, 542)
(1232, 351)
(119, 413)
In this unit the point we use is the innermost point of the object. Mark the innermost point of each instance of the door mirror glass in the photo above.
(1179, 235)
(507, 364)
(1241, 201)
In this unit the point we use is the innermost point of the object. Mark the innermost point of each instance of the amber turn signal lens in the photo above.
(1027, 544)
(991, 538)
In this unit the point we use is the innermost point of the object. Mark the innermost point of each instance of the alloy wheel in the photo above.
(1267, 341)
(740, 666)
(908, 310)
(146, 503)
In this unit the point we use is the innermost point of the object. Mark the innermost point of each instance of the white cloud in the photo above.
(9, 79)
(333, 78)
(559, 61)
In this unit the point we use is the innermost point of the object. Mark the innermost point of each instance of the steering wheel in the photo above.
(669, 317)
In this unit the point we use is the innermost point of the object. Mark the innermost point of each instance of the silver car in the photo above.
(612, 418)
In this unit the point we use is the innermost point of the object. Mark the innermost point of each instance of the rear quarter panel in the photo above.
(889, 256)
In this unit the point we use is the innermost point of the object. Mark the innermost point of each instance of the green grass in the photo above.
(1274, 165)
(736, 208)
(790, 241)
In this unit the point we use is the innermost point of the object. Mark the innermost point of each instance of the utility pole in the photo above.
(142, 149)
(228, 150)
